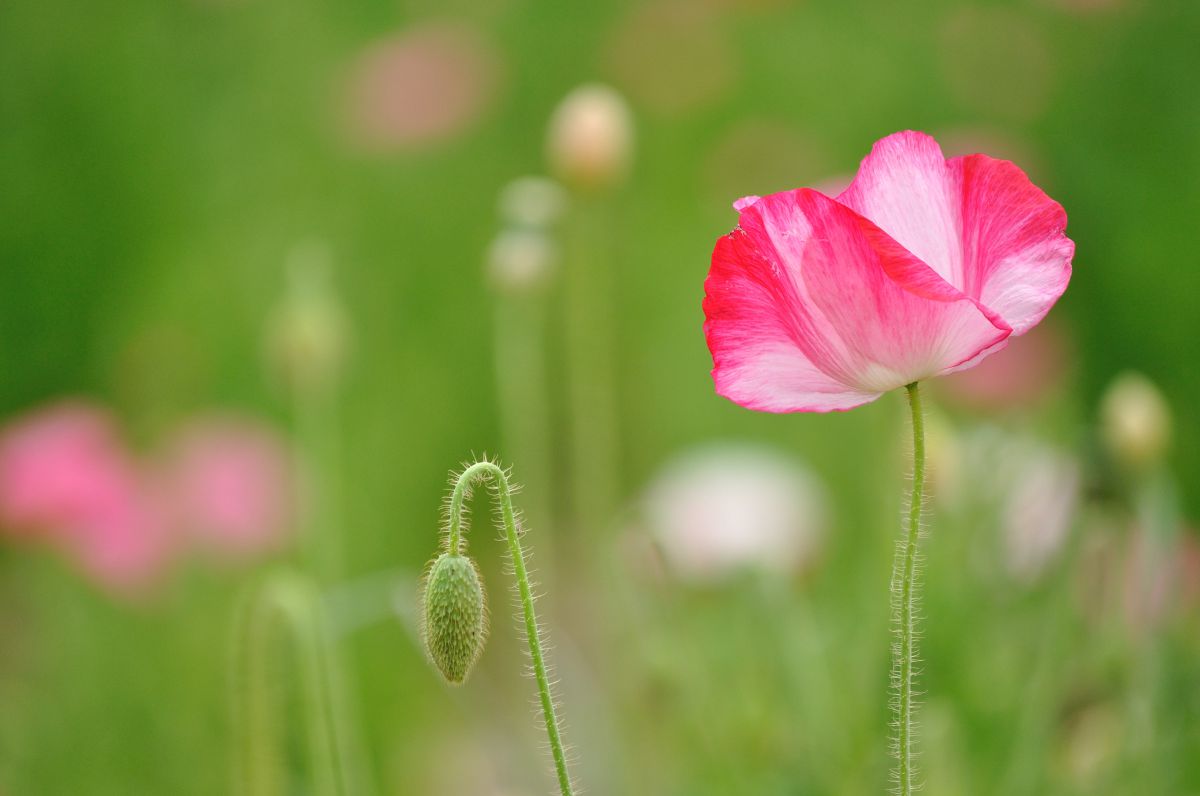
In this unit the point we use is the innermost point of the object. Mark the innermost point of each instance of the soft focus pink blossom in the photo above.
(1142, 577)
(1031, 367)
(55, 465)
(421, 86)
(1039, 509)
(65, 477)
(1160, 578)
(230, 486)
(922, 267)
(1026, 490)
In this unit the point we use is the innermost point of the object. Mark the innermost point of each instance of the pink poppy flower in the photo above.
(420, 86)
(56, 465)
(922, 267)
(66, 478)
(230, 486)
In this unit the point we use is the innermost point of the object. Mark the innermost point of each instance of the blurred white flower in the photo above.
(590, 139)
(1030, 486)
(1039, 509)
(721, 509)
(1135, 420)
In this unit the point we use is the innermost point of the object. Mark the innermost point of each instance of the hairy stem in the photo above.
(904, 587)
(481, 471)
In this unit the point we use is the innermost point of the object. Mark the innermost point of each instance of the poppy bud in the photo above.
(455, 622)
(520, 260)
(591, 138)
(532, 202)
(1135, 420)
(306, 335)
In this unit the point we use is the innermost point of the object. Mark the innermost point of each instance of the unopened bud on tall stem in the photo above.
(590, 140)
(454, 605)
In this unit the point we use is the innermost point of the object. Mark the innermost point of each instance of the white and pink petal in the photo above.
(811, 307)
(977, 221)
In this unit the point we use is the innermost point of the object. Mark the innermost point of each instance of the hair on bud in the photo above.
(454, 619)
(455, 615)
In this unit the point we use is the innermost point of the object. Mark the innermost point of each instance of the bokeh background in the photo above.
(262, 288)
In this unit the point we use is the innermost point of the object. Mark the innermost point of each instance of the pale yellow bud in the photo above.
(521, 260)
(1135, 420)
(306, 333)
(591, 138)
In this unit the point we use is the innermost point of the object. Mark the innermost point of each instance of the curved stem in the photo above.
(291, 604)
(904, 589)
(481, 471)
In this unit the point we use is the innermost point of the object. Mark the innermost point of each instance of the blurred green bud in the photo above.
(455, 619)
(306, 333)
(521, 260)
(1135, 420)
(590, 141)
(532, 202)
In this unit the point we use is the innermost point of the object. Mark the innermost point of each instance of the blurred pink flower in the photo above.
(65, 478)
(1160, 578)
(1039, 510)
(229, 483)
(922, 267)
(420, 86)
(1129, 572)
(1031, 367)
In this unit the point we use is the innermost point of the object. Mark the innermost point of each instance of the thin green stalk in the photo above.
(590, 319)
(286, 609)
(317, 454)
(524, 407)
(904, 591)
(482, 471)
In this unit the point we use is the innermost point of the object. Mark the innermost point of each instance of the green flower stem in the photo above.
(481, 471)
(590, 319)
(317, 455)
(904, 587)
(522, 391)
(286, 609)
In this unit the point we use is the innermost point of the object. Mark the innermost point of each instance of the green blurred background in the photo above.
(160, 162)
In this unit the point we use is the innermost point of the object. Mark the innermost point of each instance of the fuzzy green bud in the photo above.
(455, 619)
